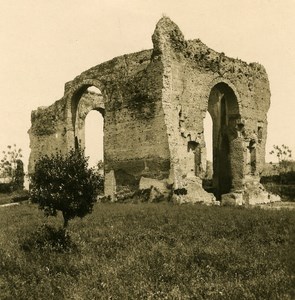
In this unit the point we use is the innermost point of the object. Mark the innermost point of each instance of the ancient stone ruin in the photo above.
(154, 103)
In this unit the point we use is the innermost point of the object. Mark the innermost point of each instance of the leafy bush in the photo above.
(282, 185)
(285, 191)
(5, 187)
(285, 178)
(64, 183)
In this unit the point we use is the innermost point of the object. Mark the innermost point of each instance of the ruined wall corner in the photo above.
(167, 34)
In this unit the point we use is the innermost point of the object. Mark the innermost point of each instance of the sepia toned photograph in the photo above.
(147, 149)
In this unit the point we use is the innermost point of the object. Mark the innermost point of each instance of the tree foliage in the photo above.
(19, 175)
(284, 167)
(64, 183)
(284, 156)
(12, 168)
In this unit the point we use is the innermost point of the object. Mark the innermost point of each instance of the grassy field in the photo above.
(148, 251)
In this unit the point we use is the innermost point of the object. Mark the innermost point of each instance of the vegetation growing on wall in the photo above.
(139, 98)
(44, 124)
(44, 121)
(143, 105)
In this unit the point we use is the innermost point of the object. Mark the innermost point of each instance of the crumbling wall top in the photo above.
(167, 32)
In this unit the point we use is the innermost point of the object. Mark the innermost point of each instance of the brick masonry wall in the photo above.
(154, 104)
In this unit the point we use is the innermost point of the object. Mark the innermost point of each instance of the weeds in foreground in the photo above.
(48, 238)
(149, 251)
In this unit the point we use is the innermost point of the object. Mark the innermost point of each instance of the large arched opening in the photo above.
(88, 124)
(85, 100)
(224, 111)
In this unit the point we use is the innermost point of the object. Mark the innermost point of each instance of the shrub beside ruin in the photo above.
(65, 183)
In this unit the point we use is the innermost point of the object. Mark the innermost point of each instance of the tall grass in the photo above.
(150, 251)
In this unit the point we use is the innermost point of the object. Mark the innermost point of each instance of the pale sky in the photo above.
(45, 43)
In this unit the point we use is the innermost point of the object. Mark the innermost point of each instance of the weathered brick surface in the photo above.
(154, 103)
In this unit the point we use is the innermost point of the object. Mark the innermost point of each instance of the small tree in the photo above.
(284, 156)
(64, 183)
(19, 176)
(11, 167)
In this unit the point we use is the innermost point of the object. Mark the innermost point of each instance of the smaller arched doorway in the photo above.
(224, 111)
